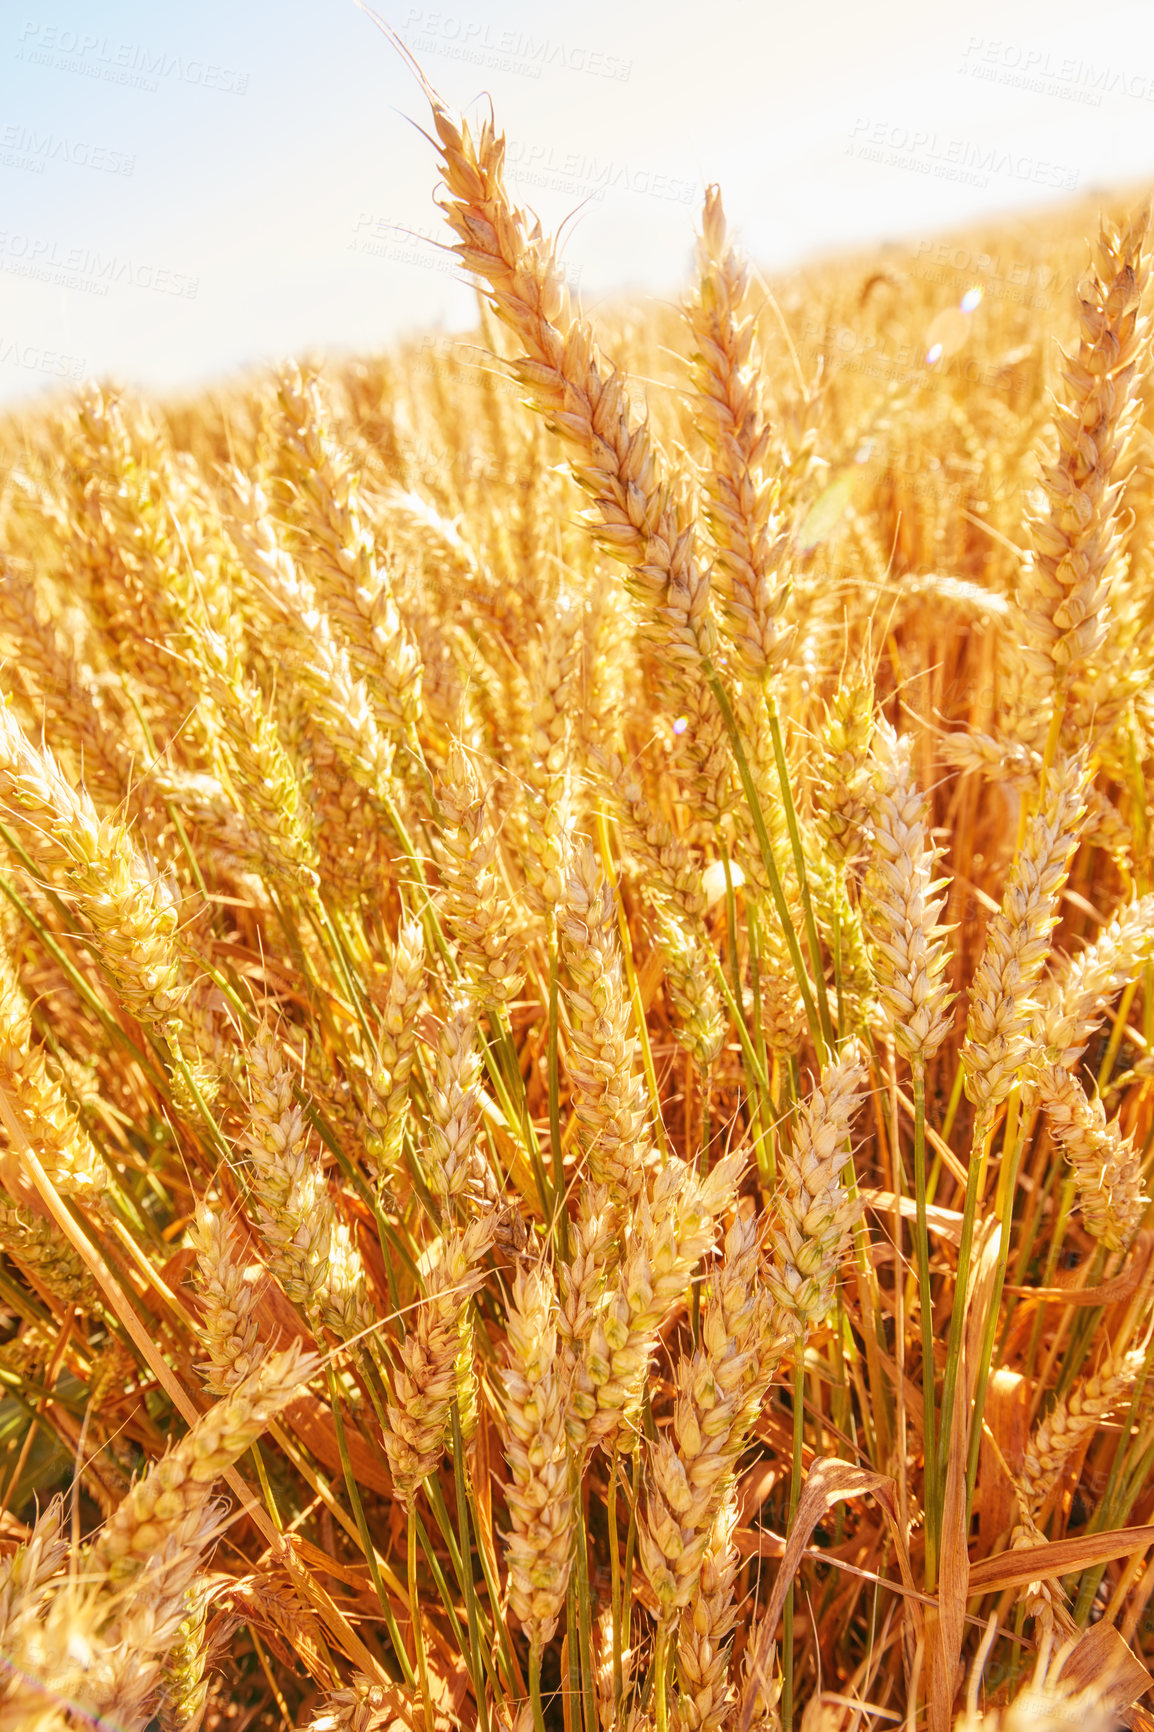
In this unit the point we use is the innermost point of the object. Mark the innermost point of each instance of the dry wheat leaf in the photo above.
(1005, 1432)
(945, 1630)
(946, 1223)
(310, 1421)
(1056, 1558)
(1102, 1659)
(829, 1481)
(979, 1293)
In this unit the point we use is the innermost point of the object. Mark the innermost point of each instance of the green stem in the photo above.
(615, 1582)
(181, 1068)
(1057, 1240)
(440, 1511)
(500, 1633)
(630, 1549)
(1084, 1330)
(557, 1154)
(933, 1501)
(763, 1139)
(660, 1666)
(760, 1077)
(322, 922)
(357, 1507)
(573, 1716)
(765, 845)
(415, 1616)
(706, 1123)
(1114, 1504)
(731, 924)
(438, 1576)
(475, 1666)
(584, 1611)
(812, 942)
(1009, 1177)
(794, 1498)
(983, 1132)
(186, 848)
(266, 1488)
(535, 1687)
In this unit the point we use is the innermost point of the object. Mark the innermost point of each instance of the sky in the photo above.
(186, 191)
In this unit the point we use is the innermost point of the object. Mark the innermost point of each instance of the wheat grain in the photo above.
(391, 1064)
(903, 902)
(1018, 941)
(636, 515)
(719, 1393)
(1107, 1171)
(475, 902)
(428, 1378)
(169, 1503)
(539, 1547)
(815, 1211)
(1066, 588)
(227, 1289)
(750, 533)
(608, 1095)
(1057, 1438)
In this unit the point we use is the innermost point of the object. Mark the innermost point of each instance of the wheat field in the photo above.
(577, 1010)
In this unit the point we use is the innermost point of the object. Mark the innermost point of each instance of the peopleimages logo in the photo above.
(1029, 283)
(920, 150)
(33, 359)
(428, 30)
(87, 271)
(115, 61)
(541, 166)
(24, 147)
(1068, 76)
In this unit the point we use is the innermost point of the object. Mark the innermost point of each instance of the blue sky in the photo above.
(186, 191)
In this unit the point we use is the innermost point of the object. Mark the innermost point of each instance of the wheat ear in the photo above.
(638, 520)
(540, 1497)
